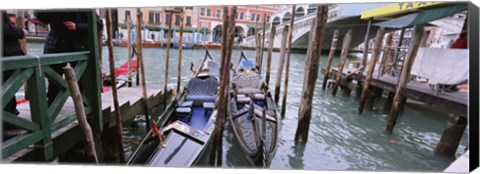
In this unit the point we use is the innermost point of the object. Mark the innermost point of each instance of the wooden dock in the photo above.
(451, 102)
(130, 100)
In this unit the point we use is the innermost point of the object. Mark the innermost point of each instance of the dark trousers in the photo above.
(12, 104)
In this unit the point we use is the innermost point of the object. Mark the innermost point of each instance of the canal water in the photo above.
(339, 137)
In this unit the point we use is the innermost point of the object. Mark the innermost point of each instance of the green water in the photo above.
(339, 137)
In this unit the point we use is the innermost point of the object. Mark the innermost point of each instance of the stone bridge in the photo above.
(342, 17)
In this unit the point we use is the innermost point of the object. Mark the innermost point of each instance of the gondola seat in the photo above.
(248, 84)
(202, 90)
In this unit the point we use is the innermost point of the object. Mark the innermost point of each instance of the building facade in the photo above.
(247, 19)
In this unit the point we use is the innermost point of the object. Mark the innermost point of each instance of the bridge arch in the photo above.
(276, 21)
(311, 9)
(286, 17)
(299, 12)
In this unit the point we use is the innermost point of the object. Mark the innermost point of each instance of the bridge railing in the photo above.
(43, 120)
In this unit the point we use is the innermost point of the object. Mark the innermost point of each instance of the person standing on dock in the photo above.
(11, 47)
(68, 33)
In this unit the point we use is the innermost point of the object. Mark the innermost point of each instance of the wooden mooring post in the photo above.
(404, 77)
(130, 50)
(72, 82)
(333, 47)
(262, 47)
(311, 74)
(269, 54)
(287, 66)
(167, 58)
(113, 79)
(371, 68)
(283, 52)
(365, 55)
(343, 58)
(226, 54)
(452, 135)
(142, 69)
(180, 48)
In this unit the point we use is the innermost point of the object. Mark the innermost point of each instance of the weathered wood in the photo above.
(371, 68)
(365, 50)
(283, 51)
(129, 47)
(113, 78)
(388, 102)
(167, 56)
(228, 29)
(80, 111)
(389, 53)
(370, 103)
(404, 76)
(142, 68)
(269, 54)
(260, 60)
(451, 136)
(180, 48)
(287, 65)
(343, 59)
(311, 74)
(333, 47)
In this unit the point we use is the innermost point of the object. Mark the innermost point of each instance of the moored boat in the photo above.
(183, 131)
(253, 114)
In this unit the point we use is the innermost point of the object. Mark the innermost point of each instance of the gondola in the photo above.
(253, 114)
(183, 131)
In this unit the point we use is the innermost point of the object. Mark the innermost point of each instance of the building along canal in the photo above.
(339, 139)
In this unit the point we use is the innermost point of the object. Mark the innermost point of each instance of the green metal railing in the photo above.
(44, 120)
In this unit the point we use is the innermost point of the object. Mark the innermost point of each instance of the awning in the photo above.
(258, 26)
(155, 28)
(390, 11)
(423, 17)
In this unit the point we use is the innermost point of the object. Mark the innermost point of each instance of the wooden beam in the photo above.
(167, 57)
(180, 48)
(119, 130)
(371, 68)
(142, 68)
(283, 51)
(451, 136)
(404, 77)
(343, 58)
(269, 54)
(311, 75)
(130, 51)
(287, 66)
(333, 47)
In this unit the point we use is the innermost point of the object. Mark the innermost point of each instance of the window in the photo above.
(209, 12)
(127, 15)
(151, 17)
(241, 15)
(252, 18)
(167, 19)
(258, 17)
(268, 18)
(177, 19)
(157, 18)
(189, 20)
(204, 25)
(177, 8)
(189, 8)
(202, 11)
(219, 13)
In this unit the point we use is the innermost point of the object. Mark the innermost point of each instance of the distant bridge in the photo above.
(342, 17)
